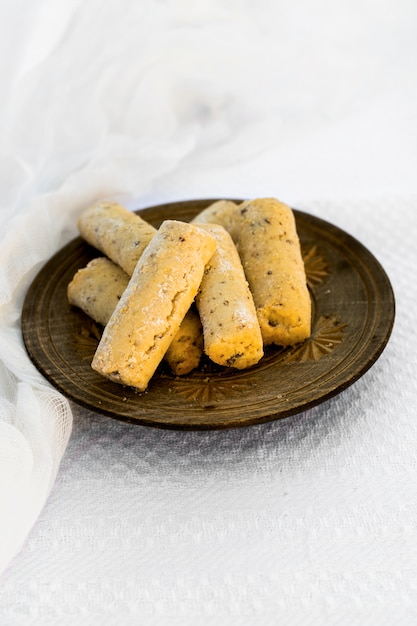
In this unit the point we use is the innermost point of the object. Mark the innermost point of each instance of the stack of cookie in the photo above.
(228, 284)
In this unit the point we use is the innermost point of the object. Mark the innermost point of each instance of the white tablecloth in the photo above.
(307, 520)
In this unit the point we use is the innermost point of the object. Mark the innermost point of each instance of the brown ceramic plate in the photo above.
(353, 314)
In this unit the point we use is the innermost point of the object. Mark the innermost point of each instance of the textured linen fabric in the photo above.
(307, 520)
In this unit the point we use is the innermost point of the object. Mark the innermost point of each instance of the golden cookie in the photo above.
(232, 336)
(149, 314)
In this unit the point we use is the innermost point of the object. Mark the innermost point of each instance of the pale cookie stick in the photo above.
(223, 212)
(97, 288)
(185, 350)
(117, 232)
(232, 336)
(269, 247)
(163, 286)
